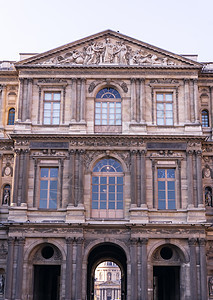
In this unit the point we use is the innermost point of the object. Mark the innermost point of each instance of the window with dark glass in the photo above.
(52, 108)
(107, 189)
(48, 188)
(205, 118)
(108, 108)
(164, 108)
(11, 116)
(166, 188)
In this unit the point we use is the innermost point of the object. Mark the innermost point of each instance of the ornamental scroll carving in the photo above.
(109, 51)
(93, 85)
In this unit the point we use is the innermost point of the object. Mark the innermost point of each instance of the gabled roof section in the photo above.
(108, 49)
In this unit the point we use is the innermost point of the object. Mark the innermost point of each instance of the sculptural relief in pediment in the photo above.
(110, 52)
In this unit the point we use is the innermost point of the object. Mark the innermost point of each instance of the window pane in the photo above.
(161, 185)
(95, 180)
(171, 195)
(47, 96)
(44, 172)
(120, 188)
(94, 196)
(54, 172)
(53, 185)
(169, 121)
(43, 194)
(160, 106)
(43, 204)
(111, 196)
(119, 205)
(103, 180)
(161, 173)
(44, 184)
(161, 195)
(161, 204)
(168, 97)
(111, 205)
(160, 121)
(53, 204)
(111, 180)
(171, 173)
(159, 97)
(47, 105)
(171, 205)
(171, 185)
(102, 205)
(111, 188)
(103, 196)
(95, 188)
(168, 106)
(95, 205)
(56, 96)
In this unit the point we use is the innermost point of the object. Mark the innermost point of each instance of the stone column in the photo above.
(9, 271)
(177, 105)
(133, 101)
(192, 102)
(71, 195)
(74, 269)
(29, 98)
(20, 179)
(83, 100)
(78, 105)
(143, 177)
(137, 100)
(64, 104)
(187, 101)
(16, 175)
(152, 94)
(2, 104)
(79, 269)
(153, 184)
(138, 177)
(203, 269)
(74, 89)
(76, 178)
(133, 177)
(39, 105)
(190, 177)
(24, 185)
(199, 177)
(179, 183)
(20, 98)
(193, 269)
(24, 100)
(142, 99)
(68, 280)
(196, 101)
(35, 181)
(144, 271)
(61, 173)
(80, 178)
(134, 271)
(19, 270)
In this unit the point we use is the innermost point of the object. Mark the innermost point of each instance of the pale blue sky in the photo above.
(35, 26)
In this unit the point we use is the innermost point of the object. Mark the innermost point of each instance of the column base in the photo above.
(196, 215)
(139, 214)
(75, 214)
(18, 213)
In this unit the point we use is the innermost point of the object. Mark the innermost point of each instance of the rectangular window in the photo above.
(166, 188)
(52, 108)
(48, 188)
(164, 108)
(108, 113)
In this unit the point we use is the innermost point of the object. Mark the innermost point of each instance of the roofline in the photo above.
(103, 33)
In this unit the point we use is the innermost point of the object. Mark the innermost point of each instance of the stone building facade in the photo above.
(106, 154)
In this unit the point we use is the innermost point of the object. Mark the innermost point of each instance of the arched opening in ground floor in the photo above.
(103, 253)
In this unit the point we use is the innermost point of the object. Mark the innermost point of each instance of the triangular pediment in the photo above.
(108, 48)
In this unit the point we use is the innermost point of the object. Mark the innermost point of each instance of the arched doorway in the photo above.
(102, 253)
(167, 278)
(47, 272)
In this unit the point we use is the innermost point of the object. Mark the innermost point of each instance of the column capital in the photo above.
(21, 240)
(133, 241)
(10, 240)
(192, 242)
(144, 241)
(202, 242)
(69, 240)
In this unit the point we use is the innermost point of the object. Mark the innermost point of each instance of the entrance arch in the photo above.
(106, 252)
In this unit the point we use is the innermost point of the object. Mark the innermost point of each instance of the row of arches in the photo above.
(45, 262)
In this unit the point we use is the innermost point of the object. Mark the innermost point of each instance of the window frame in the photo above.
(48, 189)
(9, 116)
(166, 190)
(107, 212)
(163, 102)
(203, 122)
(52, 102)
(110, 116)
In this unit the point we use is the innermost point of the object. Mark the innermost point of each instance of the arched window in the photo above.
(205, 118)
(11, 116)
(6, 195)
(107, 189)
(108, 111)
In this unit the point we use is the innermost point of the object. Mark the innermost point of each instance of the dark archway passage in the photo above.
(166, 282)
(46, 282)
(101, 253)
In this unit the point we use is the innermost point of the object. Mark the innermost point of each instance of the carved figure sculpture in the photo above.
(208, 197)
(6, 197)
(211, 286)
(2, 280)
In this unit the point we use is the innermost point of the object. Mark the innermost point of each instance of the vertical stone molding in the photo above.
(144, 271)
(142, 99)
(196, 101)
(190, 177)
(153, 99)
(76, 178)
(16, 175)
(69, 274)
(153, 184)
(19, 270)
(177, 105)
(78, 100)
(73, 99)
(133, 100)
(193, 269)
(79, 269)
(134, 269)
(61, 173)
(9, 272)
(2, 103)
(39, 105)
(203, 269)
(199, 177)
(179, 183)
(74, 269)
(63, 104)
(133, 177)
(71, 194)
(24, 100)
